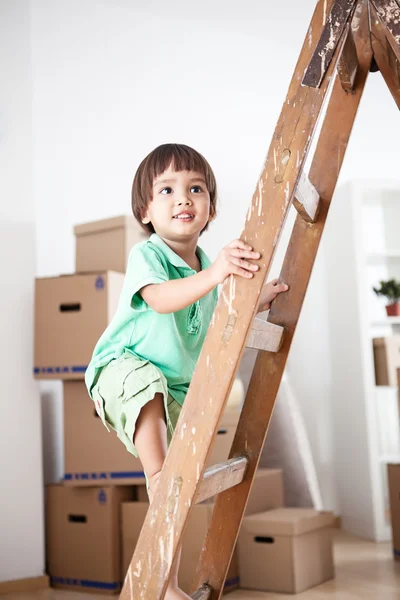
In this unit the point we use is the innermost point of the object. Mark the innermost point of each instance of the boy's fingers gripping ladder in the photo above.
(330, 60)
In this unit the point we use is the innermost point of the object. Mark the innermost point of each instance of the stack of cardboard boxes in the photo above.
(94, 517)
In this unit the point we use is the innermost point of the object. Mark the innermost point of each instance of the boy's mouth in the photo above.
(184, 216)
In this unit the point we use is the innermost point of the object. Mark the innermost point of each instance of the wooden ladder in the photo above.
(345, 41)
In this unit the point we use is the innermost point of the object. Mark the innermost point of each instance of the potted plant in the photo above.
(391, 290)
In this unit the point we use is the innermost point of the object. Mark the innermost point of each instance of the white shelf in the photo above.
(390, 458)
(379, 256)
(385, 321)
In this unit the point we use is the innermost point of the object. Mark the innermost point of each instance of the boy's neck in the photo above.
(186, 250)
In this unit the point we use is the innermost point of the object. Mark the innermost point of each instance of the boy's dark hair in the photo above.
(181, 158)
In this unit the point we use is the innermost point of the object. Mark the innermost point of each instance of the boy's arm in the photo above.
(177, 294)
(174, 295)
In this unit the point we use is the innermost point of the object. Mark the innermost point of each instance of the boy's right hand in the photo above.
(232, 261)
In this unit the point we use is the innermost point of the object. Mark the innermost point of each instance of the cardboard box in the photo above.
(105, 245)
(394, 498)
(222, 445)
(92, 455)
(83, 537)
(386, 359)
(71, 312)
(133, 515)
(286, 550)
(267, 491)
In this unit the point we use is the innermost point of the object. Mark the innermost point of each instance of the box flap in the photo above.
(105, 224)
(287, 521)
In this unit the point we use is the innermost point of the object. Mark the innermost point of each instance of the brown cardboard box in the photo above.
(267, 491)
(394, 496)
(222, 445)
(286, 550)
(92, 455)
(133, 515)
(71, 312)
(83, 537)
(387, 359)
(105, 245)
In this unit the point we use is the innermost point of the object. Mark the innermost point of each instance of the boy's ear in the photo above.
(212, 213)
(145, 219)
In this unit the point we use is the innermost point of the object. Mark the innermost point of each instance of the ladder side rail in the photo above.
(297, 268)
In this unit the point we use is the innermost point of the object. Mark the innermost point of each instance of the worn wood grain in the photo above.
(384, 56)
(265, 336)
(297, 268)
(221, 477)
(348, 61)
(388, 12)
(338, 16)
(306, 199)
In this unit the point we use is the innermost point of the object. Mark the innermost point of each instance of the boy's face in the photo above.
(180, 207)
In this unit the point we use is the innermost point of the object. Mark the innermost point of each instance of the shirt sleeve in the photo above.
(144, 268)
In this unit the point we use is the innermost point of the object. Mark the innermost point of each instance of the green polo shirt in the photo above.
(172, 342)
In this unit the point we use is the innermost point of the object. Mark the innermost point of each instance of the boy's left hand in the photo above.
(270, 292)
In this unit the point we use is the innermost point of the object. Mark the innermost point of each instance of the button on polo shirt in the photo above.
(172, 342)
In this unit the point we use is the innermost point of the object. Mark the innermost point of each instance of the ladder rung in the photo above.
(221, 477)
(334, 26)
(306, 199)
(265, 336)
(348, 62)
(202, 593)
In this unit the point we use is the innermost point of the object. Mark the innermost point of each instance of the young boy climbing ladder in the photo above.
(143, 363)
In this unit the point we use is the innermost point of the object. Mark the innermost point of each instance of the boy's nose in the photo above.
(184, 200)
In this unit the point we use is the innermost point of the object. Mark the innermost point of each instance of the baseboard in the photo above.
(31, 584)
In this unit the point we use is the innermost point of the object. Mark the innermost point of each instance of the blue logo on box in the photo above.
(102, 497)
(100, 283)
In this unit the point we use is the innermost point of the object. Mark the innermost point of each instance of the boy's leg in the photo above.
(150, 440)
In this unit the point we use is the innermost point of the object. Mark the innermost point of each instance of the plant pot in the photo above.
(393, 310)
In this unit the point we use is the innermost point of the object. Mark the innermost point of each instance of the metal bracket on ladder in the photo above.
(202, 593)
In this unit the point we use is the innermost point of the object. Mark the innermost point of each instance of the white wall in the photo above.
(21, 499)
(114, 79)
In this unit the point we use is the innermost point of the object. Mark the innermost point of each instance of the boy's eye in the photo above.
(196, 189)
(166, 190)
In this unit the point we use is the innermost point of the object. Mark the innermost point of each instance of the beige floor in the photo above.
(364, 571)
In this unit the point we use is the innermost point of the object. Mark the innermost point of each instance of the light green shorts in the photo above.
(123, 387)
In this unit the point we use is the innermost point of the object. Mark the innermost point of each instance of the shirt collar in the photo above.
(174, 258)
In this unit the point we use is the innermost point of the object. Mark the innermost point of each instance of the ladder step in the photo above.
(334, 26)
(265, 336)
(202, 593)
(348, 62)
(221, 477)
(306, 199)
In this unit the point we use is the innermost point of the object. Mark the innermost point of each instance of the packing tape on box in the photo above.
(103, 476)
(52, 370)
(99, 585)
